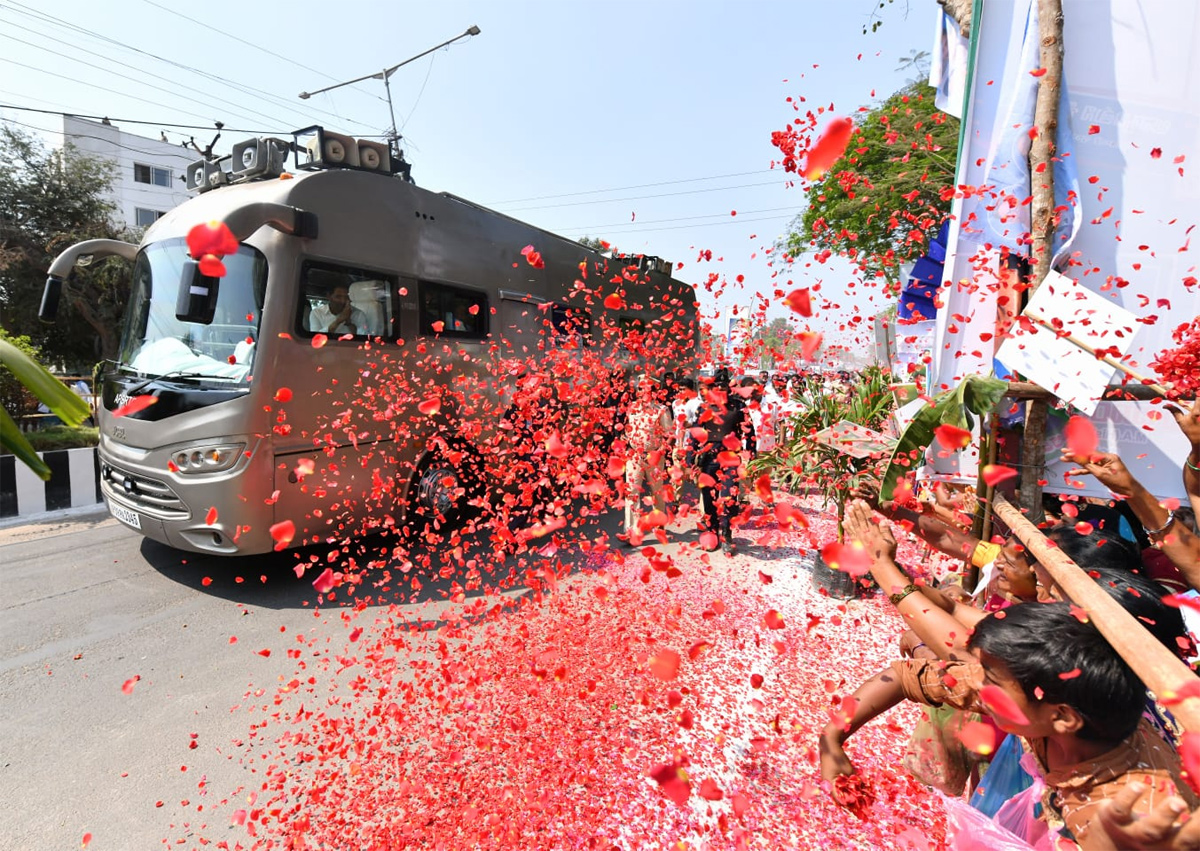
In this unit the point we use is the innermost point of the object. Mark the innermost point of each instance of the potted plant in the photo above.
(801, 463)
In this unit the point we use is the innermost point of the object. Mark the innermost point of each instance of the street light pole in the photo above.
(386, 74)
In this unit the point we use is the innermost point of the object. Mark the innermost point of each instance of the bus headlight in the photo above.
(207, 459)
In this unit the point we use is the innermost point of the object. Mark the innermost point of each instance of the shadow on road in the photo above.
(415, 574)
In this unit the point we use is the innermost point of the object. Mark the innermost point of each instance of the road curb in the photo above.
(74, 482)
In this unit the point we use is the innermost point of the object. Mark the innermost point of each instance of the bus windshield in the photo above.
(155, 343)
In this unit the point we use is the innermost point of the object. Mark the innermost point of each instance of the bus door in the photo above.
(336, 459)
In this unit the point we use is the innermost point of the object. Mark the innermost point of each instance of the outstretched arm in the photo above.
(1175, 539)
(940, 631)
(930, 528)
(873, 698)
(1189, 423)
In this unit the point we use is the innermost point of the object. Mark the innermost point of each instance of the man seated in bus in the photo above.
(338, 316)
(460, 319)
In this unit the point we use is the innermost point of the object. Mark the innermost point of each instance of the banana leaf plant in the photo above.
(975, 396)
(56, 396)
(799, 461)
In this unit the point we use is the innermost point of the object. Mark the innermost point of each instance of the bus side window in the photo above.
(570, 326)
(338, 300)
(456, 312)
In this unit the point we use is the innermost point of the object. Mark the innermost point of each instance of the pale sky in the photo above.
(646, 123)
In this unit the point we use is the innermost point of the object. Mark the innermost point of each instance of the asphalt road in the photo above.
(88, 605)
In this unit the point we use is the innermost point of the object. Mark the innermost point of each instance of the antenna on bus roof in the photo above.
(393, 136)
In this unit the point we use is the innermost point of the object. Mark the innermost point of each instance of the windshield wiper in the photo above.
(178, 373)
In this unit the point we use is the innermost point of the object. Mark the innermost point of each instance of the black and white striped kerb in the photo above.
(74, 481)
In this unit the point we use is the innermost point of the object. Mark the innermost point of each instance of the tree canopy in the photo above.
(879, 204)
(49, 200)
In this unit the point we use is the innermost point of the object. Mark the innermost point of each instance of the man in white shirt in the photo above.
(338, 316)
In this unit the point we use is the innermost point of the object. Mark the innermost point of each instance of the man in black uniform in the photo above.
(723, 417)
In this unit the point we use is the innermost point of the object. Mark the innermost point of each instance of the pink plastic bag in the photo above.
(967, 829)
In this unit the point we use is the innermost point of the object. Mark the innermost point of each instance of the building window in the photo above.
(144, 218)
(151, 174)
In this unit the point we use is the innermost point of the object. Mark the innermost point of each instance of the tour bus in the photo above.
(344, 273)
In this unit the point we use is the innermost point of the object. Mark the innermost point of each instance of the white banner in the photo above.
(1132, 92)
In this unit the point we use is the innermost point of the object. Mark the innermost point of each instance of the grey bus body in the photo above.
(213, 463)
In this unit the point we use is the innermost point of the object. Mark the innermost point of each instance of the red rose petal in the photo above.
(283, 532)
(800, 302)
(430, 406)
(325, 582)
(980, 738)
(1001, 706)
(1082, 439)
(993, 474)
(952, 437)
(828, 149)
(665, 664)
(849, 558)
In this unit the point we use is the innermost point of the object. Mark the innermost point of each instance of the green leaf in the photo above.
(59, 398)
(15, 442)
(975, 394)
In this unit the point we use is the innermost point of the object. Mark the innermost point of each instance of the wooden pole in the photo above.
(1042, 149)
(1162, 671)
(1042, 225)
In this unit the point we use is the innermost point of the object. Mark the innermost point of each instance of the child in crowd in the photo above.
(1085, 730)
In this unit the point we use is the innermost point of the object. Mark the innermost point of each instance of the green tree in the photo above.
(879, 204)
(49, 200)
(594, 243)
(774, 343)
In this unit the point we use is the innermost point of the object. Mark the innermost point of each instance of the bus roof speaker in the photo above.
(374, 156)
(337, 149)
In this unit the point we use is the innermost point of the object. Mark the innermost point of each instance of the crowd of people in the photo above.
(1027, 711)
(1025, 705)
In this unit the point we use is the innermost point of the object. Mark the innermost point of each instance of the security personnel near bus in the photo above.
(729, 432)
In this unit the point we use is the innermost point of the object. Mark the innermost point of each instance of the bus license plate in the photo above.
(129, 518)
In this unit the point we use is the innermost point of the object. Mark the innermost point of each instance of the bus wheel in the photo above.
(440, 489)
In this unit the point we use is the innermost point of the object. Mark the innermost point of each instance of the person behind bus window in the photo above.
(461, 319)
(338, 316)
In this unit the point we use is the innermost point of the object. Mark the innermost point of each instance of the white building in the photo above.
(148, 179)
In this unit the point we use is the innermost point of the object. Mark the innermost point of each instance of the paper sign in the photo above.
(1049, 360)
(1146, 438)
(855, 440)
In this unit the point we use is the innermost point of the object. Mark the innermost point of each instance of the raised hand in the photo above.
(1108, 469)
(1188, 421)
(1157, 829)
(876, 538)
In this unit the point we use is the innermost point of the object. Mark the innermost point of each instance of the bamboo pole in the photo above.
(1162, 671)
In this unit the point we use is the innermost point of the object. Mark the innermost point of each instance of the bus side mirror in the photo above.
(197, 301)
(51, 295)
